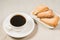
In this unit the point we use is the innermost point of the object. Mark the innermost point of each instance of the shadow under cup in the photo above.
(17, 20)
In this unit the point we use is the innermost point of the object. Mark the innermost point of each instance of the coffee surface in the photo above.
(18, 20)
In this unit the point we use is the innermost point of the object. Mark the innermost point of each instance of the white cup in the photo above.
(21, 31)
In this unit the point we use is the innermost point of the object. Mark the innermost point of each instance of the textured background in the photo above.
(40, 32)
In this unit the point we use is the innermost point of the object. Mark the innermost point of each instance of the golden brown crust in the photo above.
(46, 14)
(40, 9)
(51, 21)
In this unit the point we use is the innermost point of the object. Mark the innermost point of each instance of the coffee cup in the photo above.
(17, 21)
(18, 24)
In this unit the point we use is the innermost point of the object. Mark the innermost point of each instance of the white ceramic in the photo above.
(19, 32)
(38, 19)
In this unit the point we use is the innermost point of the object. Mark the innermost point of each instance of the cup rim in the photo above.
(13, 25)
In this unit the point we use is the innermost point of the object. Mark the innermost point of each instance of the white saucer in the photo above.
(24, 31)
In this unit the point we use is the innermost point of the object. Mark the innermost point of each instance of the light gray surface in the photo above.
(40, 32)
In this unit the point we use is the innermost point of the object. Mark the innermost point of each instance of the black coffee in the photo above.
(18, 20)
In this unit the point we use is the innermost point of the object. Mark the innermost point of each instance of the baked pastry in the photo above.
(51, 21)
(40, 9)
(46, 14)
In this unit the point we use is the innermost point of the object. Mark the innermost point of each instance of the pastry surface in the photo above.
(51, 21)
(40, 9)
(45, 14)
